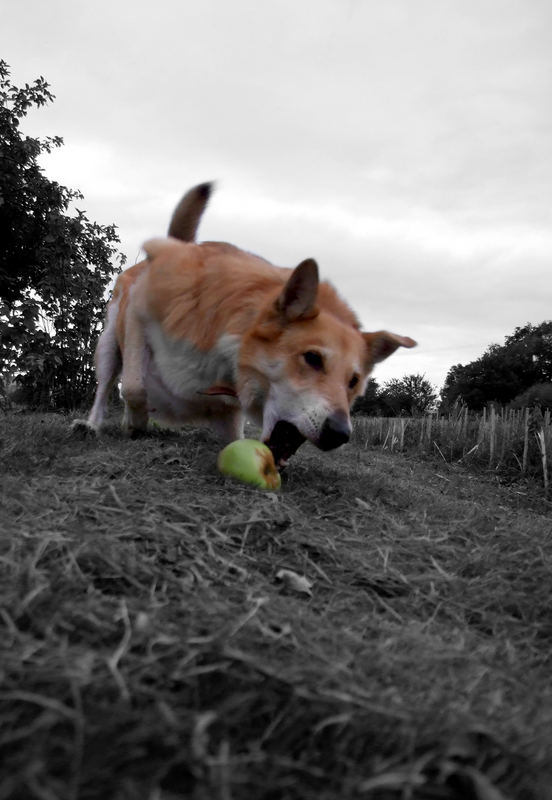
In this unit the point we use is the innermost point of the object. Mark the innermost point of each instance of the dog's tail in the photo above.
(187, 215)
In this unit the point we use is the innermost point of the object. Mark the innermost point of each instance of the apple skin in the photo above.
(250, 461)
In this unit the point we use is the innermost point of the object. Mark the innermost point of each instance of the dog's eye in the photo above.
(353, 382)
(314, 360)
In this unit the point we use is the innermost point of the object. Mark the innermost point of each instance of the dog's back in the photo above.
(183, 226)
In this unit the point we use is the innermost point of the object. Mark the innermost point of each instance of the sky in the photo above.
(406, 145)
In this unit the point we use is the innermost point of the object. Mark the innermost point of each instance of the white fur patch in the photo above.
(185, 370)
(155, 246)
(307, 411)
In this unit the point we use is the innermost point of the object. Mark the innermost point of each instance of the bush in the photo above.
(538, 395)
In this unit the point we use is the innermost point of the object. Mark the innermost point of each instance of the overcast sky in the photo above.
(404, 144)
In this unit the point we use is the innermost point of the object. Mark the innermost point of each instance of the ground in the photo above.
(151, 650)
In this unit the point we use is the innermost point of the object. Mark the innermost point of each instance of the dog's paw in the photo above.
(131, 432)
(82, 428)
(136, 433)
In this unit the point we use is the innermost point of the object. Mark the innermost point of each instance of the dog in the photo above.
(209, 333)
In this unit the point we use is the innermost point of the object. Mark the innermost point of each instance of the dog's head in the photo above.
(304, 363)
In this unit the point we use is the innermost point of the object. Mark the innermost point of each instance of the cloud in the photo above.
(404, 145)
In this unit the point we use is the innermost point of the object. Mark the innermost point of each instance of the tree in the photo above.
(55, 265)
(503, 372)
(412, 395)
(532, 344)
(369, 403)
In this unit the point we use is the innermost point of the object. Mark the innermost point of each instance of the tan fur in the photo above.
(209, 332)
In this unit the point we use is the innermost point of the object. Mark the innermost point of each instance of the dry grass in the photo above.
(514, 442)
(149, 650)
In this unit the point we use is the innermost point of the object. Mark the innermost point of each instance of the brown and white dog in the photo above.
(210, 333)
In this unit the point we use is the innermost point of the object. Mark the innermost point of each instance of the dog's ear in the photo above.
(298, 297)
(382, 344)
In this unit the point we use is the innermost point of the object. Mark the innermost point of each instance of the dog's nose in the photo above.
(335, 431)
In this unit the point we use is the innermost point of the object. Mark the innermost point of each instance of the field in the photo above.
(513, 442)
(151, 649)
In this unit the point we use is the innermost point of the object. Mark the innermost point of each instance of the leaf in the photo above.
(295, 582)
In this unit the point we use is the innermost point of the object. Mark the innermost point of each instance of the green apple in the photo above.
(250, 461)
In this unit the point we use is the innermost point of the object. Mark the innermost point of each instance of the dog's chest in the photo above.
(186, 371)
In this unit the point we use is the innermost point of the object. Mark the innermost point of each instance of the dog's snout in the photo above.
(335, 431)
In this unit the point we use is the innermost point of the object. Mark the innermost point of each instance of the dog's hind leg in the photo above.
(108, 366)
(135, 364)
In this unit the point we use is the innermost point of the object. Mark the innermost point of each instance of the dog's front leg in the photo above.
(229, 425)
(136, 357)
